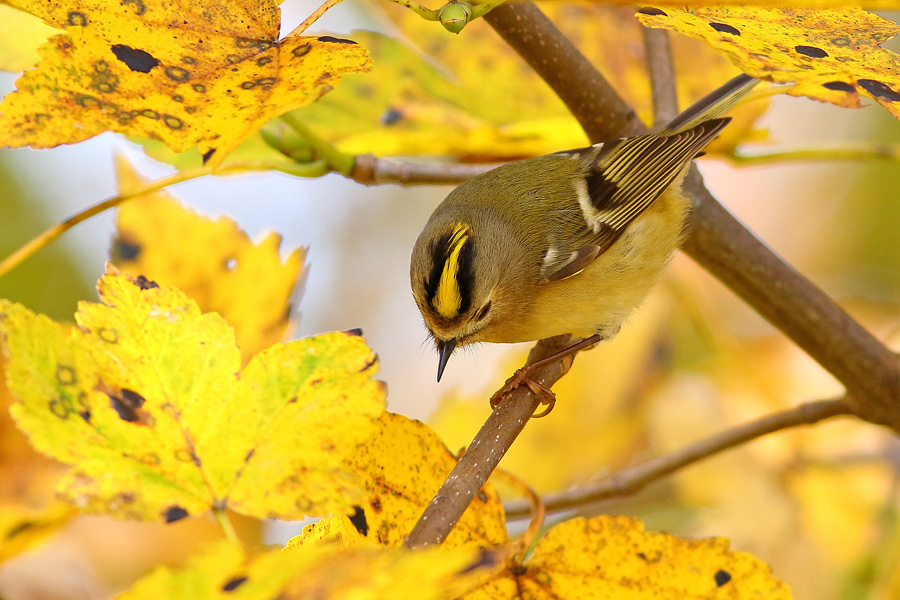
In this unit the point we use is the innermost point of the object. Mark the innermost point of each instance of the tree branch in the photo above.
(632, 479)
(661, 68)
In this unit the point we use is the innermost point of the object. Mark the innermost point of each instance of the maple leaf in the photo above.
(829, 55)
(227, 571)
(145, 399)
(186, 72)
(402, 466)
(212, 261)
(606, 558)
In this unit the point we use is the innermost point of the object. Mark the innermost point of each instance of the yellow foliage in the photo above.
(212, 261)
(188, 73)
(145, 399)
(23, 528)
(226, 571)
(614, 558)
(829, 55)
(20, 36)
(401, 467)
(438, 104)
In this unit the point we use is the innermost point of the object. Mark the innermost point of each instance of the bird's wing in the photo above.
(619, 183)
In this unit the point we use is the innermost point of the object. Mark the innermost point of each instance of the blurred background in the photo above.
(818, 505)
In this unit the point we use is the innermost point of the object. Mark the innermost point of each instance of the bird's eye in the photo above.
(483, 311)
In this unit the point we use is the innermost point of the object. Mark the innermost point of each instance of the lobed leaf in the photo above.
(186, 72)
(212, 261)
(147, 401)
(830, 55)
(401, 467)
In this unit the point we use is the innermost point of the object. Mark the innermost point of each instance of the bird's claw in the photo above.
(523, 377)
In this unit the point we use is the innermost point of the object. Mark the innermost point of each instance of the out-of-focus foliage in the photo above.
(212, 261)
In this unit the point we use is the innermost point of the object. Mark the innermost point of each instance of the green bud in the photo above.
(454, 16)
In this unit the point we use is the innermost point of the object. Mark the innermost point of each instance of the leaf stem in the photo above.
(338, 161)
(536, 510)
(225, 524)
(308, 21)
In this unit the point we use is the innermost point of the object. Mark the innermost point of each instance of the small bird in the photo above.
(567, 243)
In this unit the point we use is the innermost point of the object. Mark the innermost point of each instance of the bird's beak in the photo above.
(445, 349)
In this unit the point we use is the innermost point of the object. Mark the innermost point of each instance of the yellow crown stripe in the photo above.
(448, 299)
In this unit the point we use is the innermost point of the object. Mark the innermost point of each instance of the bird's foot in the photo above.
(523, 377)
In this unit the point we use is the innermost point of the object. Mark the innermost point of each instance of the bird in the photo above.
(566, 243)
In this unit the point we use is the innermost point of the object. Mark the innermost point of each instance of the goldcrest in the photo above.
(568, 243)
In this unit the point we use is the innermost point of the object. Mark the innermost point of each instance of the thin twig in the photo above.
(536, 512)
(371, 170)
(632, 479)
(815, 154)
(316, 14)
(661, 69)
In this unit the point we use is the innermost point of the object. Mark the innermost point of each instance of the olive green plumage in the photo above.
(570, 242)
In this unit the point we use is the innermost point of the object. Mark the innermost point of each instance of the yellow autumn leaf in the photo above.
(402, 466)
(186, 72)
(435, 573)
(20, 36)
(146, 399)
(22, 528)
(212, 261)
(223, 570)
(614, 558)
(227, 571)
(829, 55)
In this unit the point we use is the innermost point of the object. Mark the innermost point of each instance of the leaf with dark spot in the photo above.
(136, 59)
(234, 583)
(20, 528)
(358, 518)
(144, 283)
(127, 404)
(174, 513)
(722, 577)
(357, 331)
(722, 27)
(811, 51)
(486, 559)
(652, 11)
(335, 40)
(124, 250)
(879, 89)
(208, 154)
(839, 86)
